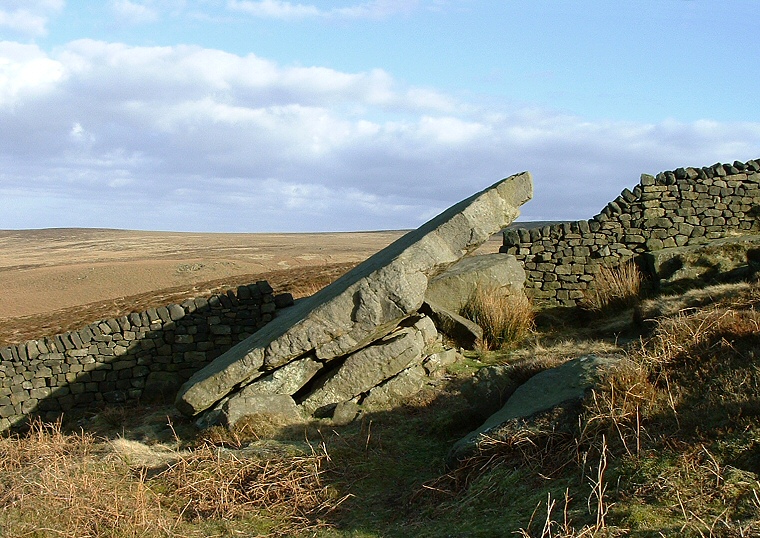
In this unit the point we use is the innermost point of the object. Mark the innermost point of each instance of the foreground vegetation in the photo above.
(669, 444)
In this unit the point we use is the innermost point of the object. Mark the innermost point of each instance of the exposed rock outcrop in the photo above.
(565, 385)
(713, 260)
(368, 320)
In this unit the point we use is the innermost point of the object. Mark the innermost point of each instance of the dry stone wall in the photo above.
(681, 207)
(144, 356)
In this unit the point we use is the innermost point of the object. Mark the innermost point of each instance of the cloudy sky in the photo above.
(308, 115)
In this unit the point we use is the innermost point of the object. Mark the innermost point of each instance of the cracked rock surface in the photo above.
(358, 310)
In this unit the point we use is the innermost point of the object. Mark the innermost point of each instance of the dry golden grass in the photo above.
(209, 484)
(74, 485)
(613, 287)
(506, 318)
(55, 484)
(674, 425)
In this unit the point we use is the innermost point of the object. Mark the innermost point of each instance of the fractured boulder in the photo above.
(364, 305)
(372, 365)
(452, 289)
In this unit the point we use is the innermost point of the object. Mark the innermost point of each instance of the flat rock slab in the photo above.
(542, 392)
(364, 304)
(454, 287)
(713, 260)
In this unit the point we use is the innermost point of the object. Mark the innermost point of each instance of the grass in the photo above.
(668, 444)
(613, 287)
(506, 318)
(62, 484)
(679, 419)
(302, 282)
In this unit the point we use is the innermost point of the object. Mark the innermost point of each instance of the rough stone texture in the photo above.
(144, 356)
(713, 260)
(372, 365)
(397, 388)
(452, 289)
(545, 390)
(684, 207)
(285, 380)
(436, 363)
(345, 413)
(489, 389)
(366, 303)
(463, 332)
(279, 406)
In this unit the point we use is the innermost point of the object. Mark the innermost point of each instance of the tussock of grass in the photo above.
(666, 445)
(209, 484)
(613, 287)
(506, 318)
(57, 484)
(73, 485)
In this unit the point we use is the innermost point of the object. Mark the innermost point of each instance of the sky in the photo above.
(347, 115)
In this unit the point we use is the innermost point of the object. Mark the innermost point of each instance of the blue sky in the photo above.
(260, 116)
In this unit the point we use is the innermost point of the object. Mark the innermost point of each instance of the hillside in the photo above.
(667, 445)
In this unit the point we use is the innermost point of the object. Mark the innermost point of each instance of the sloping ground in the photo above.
(53, 281)
(47, 270)
(668, 446)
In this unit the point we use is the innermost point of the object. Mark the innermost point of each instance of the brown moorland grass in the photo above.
(614, 287)
(506, 318)
(665, 446)
(300, 282)
(74, 485)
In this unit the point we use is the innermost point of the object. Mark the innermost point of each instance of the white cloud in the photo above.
(26, 72)
(28, 17)
(274, 9)
(200, 139)
(376, 9)
(278, 9)
(133, 12)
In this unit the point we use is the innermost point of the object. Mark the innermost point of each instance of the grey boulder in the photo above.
(366, 303)
(373, 365)
(713, 260)
(563, 385)
(494, 272)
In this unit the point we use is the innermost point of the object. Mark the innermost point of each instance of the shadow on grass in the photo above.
(378, 465)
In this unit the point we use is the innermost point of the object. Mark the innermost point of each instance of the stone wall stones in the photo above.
(144, 356)
(686, 206)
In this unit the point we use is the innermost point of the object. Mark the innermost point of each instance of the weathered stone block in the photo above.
(371, 366)
(453, 288)
(366, 302)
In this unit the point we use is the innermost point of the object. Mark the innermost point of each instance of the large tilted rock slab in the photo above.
(366, 303)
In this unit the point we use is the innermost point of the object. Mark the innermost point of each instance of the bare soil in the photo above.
(55, 280)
